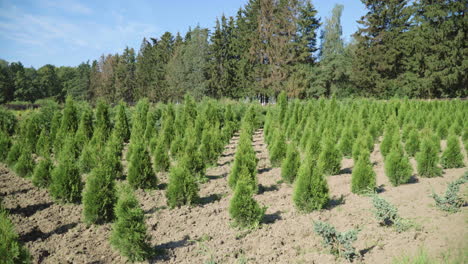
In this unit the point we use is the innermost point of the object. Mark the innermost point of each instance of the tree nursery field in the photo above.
(313, 181)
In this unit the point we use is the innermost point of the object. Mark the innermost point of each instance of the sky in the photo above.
(68, 32)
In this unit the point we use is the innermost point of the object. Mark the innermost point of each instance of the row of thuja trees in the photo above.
(77, 154)
(308, 140)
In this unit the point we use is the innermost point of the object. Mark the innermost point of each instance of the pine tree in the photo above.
(243, 209)
(363, 176)
(330, 156)
(278, 150)
(290, 164)
(25, 164)
(161, 157)
(5, 145)
(41, 175)
(140, 171)
(99, 195)
(129, 232)
(121, 123)
(427, 159)
(412, 143)
(182, 188)
(452, 156)
(397, 167)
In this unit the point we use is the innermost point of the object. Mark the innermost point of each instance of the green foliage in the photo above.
(182, 188)
(192, 158)
(11, 251)
(428, 159)
(310, 189)
(330, 157)
(25, 164)
(43, 147)
(41, 175)
(345, 144)
(412, 143)
(121, 123)
(103, 122)
(14, 154)
(290, 164)
(5, 145)
(340, 243)
(88, 158)
(99, 195)
(398, 167)
(161, 157)
(85, 128)
(451, 201)
(452, 156)
(363, 177)
(66, 184)
(8, 121)
(244, 158)
(278, 149)
(140, 171)
(361, 145)
(243, 209)
(388, 140)
(387, 214)
(129, 232)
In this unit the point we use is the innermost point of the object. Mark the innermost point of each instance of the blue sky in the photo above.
(68, 32)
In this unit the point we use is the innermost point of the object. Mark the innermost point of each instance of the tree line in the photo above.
(402, 48)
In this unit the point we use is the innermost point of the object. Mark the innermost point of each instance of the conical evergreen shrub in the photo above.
(25, 164)
(208, 146)
(129, 232)
(55, 125)
(192, 158)
(412, 143)
(5, 145)
(66, 184)
(182, 188)
(99, 195)
(103, 122)
(177, 146)
(428, 159)
(278, 149)
(68, 125)
(388, 140)
(113, 155)
(138, 124)
(330, 157)
(11, 251)
(442, 129)
(397, 167)
(161, 157)
(140, 171)
(14, 154)
(121, 127)
(360, 146)
(85, 128)
(244, 157)
(43, 144)
(363, 177)
(42, 173)
(452, 156)
(346, 142)
(290, 164)
(310, 188)
(88, 159)
(243, 209)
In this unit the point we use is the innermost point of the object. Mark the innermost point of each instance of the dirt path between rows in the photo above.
(202, 233)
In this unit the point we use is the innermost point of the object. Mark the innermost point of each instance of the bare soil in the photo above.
(54, 233)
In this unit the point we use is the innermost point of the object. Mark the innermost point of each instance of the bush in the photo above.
(398, 167)
(452, 156)
(412, 143)
(99, 195)
(87, 160)
(140, 171)
(340, 244)
(129, 233)
(14, 154)
(85, 128)
(103, 119)
(346, 142)
(363, 177)
(8, 121)
(55, 125)
(243, 209)
(192, 158)
(244, 157)
(25, 164)
(387, 214)
(330, 157)
(310, 189)
(290, 164)
(182, 188)
(360, 146)
(11, 251)
(41, 175)
(428, 159)
(388, 140)
(278, 149)
(177, 146)
(161, 157)
(43, 144)
(121, 123)
(451, 201)
(5, 145)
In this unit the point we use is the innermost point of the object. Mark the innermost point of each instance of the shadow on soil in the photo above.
(210, 199)
(264, 189)
(271, 218)
(262, 170)
(334, 202)
(30, 209)
(161, 252)
(16, 192)
(346, 171)
(36, 234)
(214, 177)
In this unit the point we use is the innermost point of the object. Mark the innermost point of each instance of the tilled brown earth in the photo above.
(202, 233)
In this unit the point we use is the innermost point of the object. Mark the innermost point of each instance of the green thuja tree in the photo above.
(360, 146)
(363, 177)
(330, 156)
(14, 154)
(25, 164)
(243, 209)
(290, 164)
(66, 184)
(278, 149)
(346, 142)
(43, 144)
(452, 156)
(121, 126)
(87, 159)
(5, 145)
(177, 146)
(192, 157)
(99, 195)
(427, 159)
(388, 139)
(103, 119)
(412, 143)
(182, 188)
(11, 250)
(68, 124)
(129, 232)
(41, 175)
(244, 157)
(161, 157)
(85, 128)
(55, 125)
(140, 171)
(398, 167)
(310, 188)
